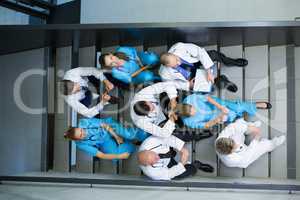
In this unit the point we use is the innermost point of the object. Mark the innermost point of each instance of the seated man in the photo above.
(77, 93)
(105, 138)
(156, 159)
(231, 147)
(182, 59)
(146, 112)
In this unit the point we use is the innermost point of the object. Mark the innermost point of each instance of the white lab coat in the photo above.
(79, 75)
(190, 53)
(160, 170)
(243, 156)
(150, 122)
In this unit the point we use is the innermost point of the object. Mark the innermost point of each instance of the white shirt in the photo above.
(242, 156)
(150, 122)
(79, 75)
(190, 53)
(160, 170)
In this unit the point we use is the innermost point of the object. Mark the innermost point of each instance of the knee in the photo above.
(148, 76)
(150, 59)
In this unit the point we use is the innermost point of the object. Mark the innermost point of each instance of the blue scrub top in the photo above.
(98, 138)
(204, 111)
(95, 135)
(124, 72)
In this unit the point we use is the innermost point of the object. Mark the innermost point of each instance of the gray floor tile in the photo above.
(234, 74)
(84, 162)
(205, 152)
(61, 155)
(279, 156)
(298, 150)
(297, 62)
(256, 89)
(257, 62)
(279, 111)
(87, 56)
(260, 168)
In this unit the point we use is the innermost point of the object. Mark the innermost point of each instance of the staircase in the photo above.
(266, 78)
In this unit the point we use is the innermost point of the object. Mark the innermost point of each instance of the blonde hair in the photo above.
(224, 145)
(164, 60)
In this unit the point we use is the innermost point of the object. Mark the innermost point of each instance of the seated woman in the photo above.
(130, 66)
(105, 138)
(204, 111)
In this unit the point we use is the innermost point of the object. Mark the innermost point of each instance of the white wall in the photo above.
(20, 132)
(120, 11)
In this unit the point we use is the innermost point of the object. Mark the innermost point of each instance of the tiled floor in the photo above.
(49, 192)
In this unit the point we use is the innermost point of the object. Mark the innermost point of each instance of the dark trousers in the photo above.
(95, 82)
(190, 169)
(220, 57)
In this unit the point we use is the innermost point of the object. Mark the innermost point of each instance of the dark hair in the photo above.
(66, 87)
(141, 108)
(70, 133)
(120, 55)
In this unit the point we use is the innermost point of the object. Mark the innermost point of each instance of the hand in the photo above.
(224, 110)
(255, 132)
(108, 85)
(172, 104)
(105, 126)
(210, 77)
(123, 156)
(192, 82)
(105, 97)
(119, 140)
(172, 116)
(184, 155)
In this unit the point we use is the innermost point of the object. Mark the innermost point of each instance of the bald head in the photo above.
(169, 60)
(147, 157)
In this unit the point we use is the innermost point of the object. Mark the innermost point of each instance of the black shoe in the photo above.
(241, 62)
(185, 136)
(114, 100)
(223, 82)
(232, 87)
(268, 106)
(204, 167)
(202, 135)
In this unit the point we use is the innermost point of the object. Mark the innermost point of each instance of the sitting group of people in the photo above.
(163, 129)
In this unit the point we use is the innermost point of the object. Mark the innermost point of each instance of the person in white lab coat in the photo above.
(77, 93)
(146, 112)
(156, 159)
(182, 59)
(231, 147)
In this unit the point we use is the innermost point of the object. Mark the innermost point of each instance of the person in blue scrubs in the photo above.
(204, 111)
(128, 65)
(105, 138)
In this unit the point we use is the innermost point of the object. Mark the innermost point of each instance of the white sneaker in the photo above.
(257, 123)
(277, 141)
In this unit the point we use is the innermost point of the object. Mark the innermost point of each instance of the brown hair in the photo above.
(164, 58)
(70, 133)
(224, 145)
(66, 87)
(141, 108)
(120, 55)
(183, 110)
